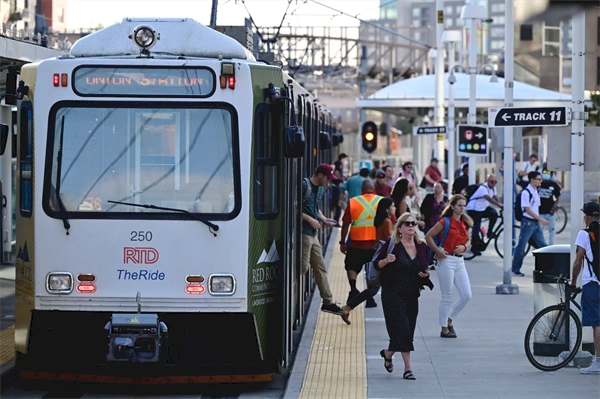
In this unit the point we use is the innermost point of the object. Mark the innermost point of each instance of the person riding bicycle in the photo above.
(479, 207)
(590, 297)
(549, 193)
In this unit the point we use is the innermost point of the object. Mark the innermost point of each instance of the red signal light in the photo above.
(56, 80)
(194, 289)
(231, 82)
(86, 288)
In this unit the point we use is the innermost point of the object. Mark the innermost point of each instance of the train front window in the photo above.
(180, 157)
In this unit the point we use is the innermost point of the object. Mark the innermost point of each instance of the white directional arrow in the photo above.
(479, 135)
(505, 117)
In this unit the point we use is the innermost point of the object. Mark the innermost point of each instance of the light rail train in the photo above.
(159, 170)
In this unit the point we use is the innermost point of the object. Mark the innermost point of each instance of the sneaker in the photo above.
(518, 274)
(593, 369)
(371, 304)
(332, 308)
(449, 334)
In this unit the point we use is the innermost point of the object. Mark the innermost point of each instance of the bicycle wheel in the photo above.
(515, 241)
(561, 219)
(551, 332)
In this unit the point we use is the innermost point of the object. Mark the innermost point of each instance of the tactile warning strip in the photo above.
(7, 345)
(337, 362)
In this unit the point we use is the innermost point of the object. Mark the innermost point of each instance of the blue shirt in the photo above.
(311, 206)
(354, 186)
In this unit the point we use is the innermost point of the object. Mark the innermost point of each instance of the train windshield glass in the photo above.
(169, 157)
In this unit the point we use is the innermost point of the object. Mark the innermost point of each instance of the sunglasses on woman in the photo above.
(409, 224)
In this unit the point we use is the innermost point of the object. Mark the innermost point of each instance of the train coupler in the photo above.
(136, 338)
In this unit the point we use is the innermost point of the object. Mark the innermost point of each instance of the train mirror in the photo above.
(324, 140)
(294, 143)
(335, 139)
(3, 137)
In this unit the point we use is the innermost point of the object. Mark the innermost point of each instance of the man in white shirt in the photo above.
(531, 225)
(525, 169)
(590, 296)
(479, 207)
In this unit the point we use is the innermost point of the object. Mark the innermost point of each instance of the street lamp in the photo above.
(472, 12)
(452, 37)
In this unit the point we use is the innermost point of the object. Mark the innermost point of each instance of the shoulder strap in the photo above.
(446, 229)
(308, 191)
(530, 195)
(391, 245)
(589, 262)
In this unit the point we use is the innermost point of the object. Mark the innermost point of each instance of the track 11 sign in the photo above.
(542, 116)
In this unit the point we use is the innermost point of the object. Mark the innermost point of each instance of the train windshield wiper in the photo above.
(61, 205)
(213, 228)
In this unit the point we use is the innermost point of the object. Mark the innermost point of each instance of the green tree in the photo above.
(594, 111)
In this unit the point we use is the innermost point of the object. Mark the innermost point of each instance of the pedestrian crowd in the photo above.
(398, 248)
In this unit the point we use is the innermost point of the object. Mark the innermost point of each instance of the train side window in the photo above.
(267, 132)
(26, 158)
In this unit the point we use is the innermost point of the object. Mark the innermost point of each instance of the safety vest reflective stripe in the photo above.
(362, 211)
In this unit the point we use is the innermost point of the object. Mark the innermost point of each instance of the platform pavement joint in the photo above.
(487, 360)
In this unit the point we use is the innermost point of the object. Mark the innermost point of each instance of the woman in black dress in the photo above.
(403, 272)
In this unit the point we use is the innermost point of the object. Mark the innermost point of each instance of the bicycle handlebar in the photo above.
(562, 280)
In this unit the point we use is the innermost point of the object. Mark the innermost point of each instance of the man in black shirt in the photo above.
(462, 181)
(549, 193)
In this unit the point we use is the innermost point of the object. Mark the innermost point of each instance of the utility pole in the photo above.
(509, 63)
(363, 93)
(213, 13)
(438, 110)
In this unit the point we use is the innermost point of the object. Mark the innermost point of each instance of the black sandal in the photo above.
(408, 375)
(389, 367)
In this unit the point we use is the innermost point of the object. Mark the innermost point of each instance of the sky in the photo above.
(90, 13)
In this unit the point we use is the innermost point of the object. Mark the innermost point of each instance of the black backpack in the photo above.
(518, 208)
(469, 191)
(594, 232)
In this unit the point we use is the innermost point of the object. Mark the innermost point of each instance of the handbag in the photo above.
(423, 182)
(371, 269)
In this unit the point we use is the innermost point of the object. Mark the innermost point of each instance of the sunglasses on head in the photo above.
(408, 224)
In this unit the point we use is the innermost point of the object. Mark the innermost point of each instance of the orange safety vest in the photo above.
(362, 211)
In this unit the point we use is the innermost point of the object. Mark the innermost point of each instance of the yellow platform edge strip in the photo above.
(7, 345)
(336, 365)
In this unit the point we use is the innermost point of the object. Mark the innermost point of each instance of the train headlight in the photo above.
(59, 283)
(221, 284)
(144, 37)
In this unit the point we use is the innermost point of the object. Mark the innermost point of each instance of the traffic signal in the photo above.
(369, 136)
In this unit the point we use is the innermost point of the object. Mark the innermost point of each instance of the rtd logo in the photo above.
(140, 255)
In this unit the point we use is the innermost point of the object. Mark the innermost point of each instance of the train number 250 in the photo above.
(141, 236)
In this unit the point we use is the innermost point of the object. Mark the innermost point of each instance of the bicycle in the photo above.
(561, 219)
(497, 232)
(555, 330)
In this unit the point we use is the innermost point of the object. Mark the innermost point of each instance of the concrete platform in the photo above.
(487, 360)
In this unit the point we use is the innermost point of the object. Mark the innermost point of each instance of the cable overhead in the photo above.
(391, 32)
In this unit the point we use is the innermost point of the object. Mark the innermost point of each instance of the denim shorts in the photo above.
(590, 305)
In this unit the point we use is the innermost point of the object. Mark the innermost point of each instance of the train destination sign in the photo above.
(429, 129)
(537, 116)
(134, 81)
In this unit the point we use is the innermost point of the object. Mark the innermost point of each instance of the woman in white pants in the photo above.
(451, 264)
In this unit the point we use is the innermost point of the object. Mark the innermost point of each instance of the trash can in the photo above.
(552, 260)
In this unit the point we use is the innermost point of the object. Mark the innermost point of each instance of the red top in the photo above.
(385, 190)
(434, 173)
(457, 235)
(384, 231)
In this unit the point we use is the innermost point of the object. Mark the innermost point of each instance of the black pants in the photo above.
(489, 213)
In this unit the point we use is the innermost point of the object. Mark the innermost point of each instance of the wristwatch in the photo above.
(342, 242)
